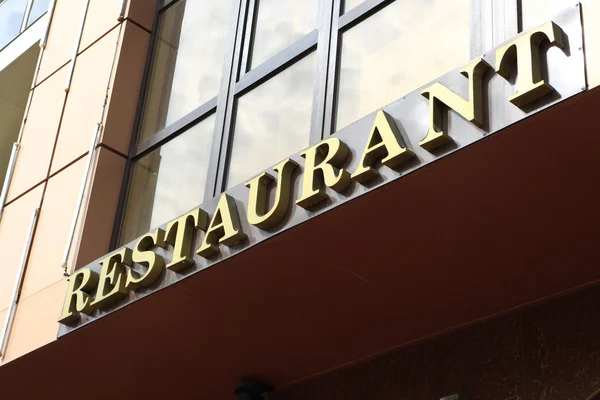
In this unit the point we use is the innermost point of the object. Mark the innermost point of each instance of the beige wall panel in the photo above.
(102, 16)
(102, 207)
(39, 135)
(14, 229)
(126, 88)
(85, 101)
(35, 321)
(591, 23)
(142, 12)
(56, 215)
(62, 37)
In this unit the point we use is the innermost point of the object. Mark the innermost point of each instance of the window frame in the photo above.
(24, 20)
(238, 78)
(245, 79)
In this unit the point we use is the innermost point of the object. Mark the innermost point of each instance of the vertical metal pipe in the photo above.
(123, 10)
(37, 70)
(77, 45)
(9, 174)
(30, 96)
(10, 316)
(84, 184)
(27, 14)
(91, 154)
(50, 15)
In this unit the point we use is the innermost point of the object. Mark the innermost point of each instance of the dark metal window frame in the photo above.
(25, 23)
(238, 79)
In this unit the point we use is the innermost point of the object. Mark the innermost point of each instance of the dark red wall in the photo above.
(507, 221)
(547, 352)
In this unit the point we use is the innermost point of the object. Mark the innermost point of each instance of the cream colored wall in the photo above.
(51, 164)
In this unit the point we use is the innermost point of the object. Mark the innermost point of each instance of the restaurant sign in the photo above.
(527, 74)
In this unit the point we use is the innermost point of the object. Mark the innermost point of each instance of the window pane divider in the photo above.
(26, 16)
(332, 67)
(224, 106)
(176, 128)
(325, 20)
(250, 28)
(163, 4)
(277, 63)
(361, 12)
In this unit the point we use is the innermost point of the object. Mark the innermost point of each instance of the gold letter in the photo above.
(112, 278)
(80, 282)
(383, 140)
(323, 157)
(180, 234)
(257, 202)
(526, 49)
(224, 228)
(143, 254)
(471, 110)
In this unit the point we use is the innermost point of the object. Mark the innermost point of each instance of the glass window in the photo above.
(272, 121)
(168, 181)
(11, 18)
(397, 50)
(536, 12)
(38, 9)
(15, 83)
(279, 24)
(188, 61)
(350, 4)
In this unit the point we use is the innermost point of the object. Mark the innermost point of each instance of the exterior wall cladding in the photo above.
(52, 159)
(547, 349)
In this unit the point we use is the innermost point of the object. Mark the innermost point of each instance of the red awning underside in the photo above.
(509, 220)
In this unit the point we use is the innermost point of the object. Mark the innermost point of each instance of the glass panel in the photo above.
(397, 50)
(169, 181)
(11, 17)
(272, 121)
(38, 9)
(279, 24)
(350, 4)
(536, 12)
(188, 61)
(15, 83)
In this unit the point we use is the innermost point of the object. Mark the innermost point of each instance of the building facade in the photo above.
(300, 199)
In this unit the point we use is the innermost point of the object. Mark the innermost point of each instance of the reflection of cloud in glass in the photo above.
(188, 61)
(38, 8)
(169, 181)
(183, 171)
(536, 12)
(273, 121)
(398, 49)
(279, 24)
(350, 4)
(200, 57)
(11, 17)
